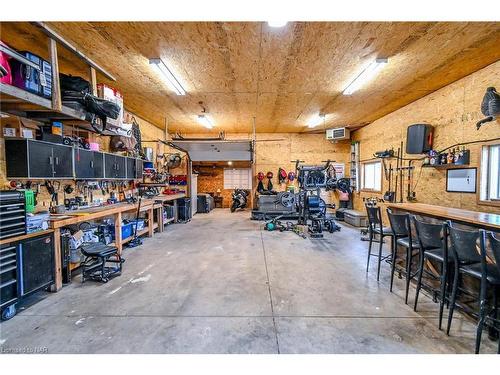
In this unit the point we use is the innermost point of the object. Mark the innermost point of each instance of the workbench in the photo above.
(152, 206)
(475, 219)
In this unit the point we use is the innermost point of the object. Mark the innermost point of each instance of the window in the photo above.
(490, 173)
(372, 176)
(237, 178)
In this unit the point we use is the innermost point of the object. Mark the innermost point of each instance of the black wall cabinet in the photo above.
(115, 166)
(26, 158)
(134, 168)
(37, 159)
(88, 164)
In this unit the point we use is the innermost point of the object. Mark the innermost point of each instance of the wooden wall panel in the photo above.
(453, 111)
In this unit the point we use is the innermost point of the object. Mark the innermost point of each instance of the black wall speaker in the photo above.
(419, 138)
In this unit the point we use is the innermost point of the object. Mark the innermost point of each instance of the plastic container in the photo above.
(355, 218)
(140, 225)
(29, 197)
(126, 231)
(93, 146)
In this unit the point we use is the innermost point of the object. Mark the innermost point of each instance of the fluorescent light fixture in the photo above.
(366, 75)
(277, 23)
(315, 121)
(205, 121)
(170, 78)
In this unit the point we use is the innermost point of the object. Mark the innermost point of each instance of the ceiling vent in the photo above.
(338, 134)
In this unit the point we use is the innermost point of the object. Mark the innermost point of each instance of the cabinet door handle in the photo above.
(51, 161)
(91, 164)
(57, 160)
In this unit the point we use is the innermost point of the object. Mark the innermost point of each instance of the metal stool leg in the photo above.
(444, 277)
(482, 316)
(453, 297)
(419, 281)
(409, 256)
(369, 250)
(380, 256)
(393, 262)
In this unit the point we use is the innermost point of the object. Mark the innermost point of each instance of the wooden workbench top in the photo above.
(167, 198)
(474, 218)
(74, 217)
(97, 212)
(25, 236)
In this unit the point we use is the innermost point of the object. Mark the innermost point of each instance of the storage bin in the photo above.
(126, 231)
(140, 225)
(355, 218)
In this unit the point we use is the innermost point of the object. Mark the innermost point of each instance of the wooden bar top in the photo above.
(477, 219)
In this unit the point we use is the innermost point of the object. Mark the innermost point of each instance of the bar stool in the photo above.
(466, 260)
(433, 243)
(490, 277)
(401, 229)
(375, 227)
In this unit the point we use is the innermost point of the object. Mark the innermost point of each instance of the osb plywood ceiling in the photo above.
(281, 76)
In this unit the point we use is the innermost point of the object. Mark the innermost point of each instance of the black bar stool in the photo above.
(433, 243)
(466, 260)
(490, 277)
(375, 227)
(401, 230)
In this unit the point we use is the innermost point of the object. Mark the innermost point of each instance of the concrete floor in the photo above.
(220, 284)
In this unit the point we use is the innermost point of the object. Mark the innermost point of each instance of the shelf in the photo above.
(17, 56)
(446, 166)
(22, 103)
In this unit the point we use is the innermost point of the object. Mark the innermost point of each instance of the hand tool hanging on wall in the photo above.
(397, 176)
(401, 174)
(52, 192)
(410, 196)
(389, 194)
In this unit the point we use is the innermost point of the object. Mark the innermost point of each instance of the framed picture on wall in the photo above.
(462, 180)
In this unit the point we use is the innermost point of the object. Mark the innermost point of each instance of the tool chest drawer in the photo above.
(12, 213)
(8, 275)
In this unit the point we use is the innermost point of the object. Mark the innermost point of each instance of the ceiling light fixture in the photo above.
(229, 163)
(316, 120)
(366, 75)
(277, 23)
(205, 121)
(170, 78)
